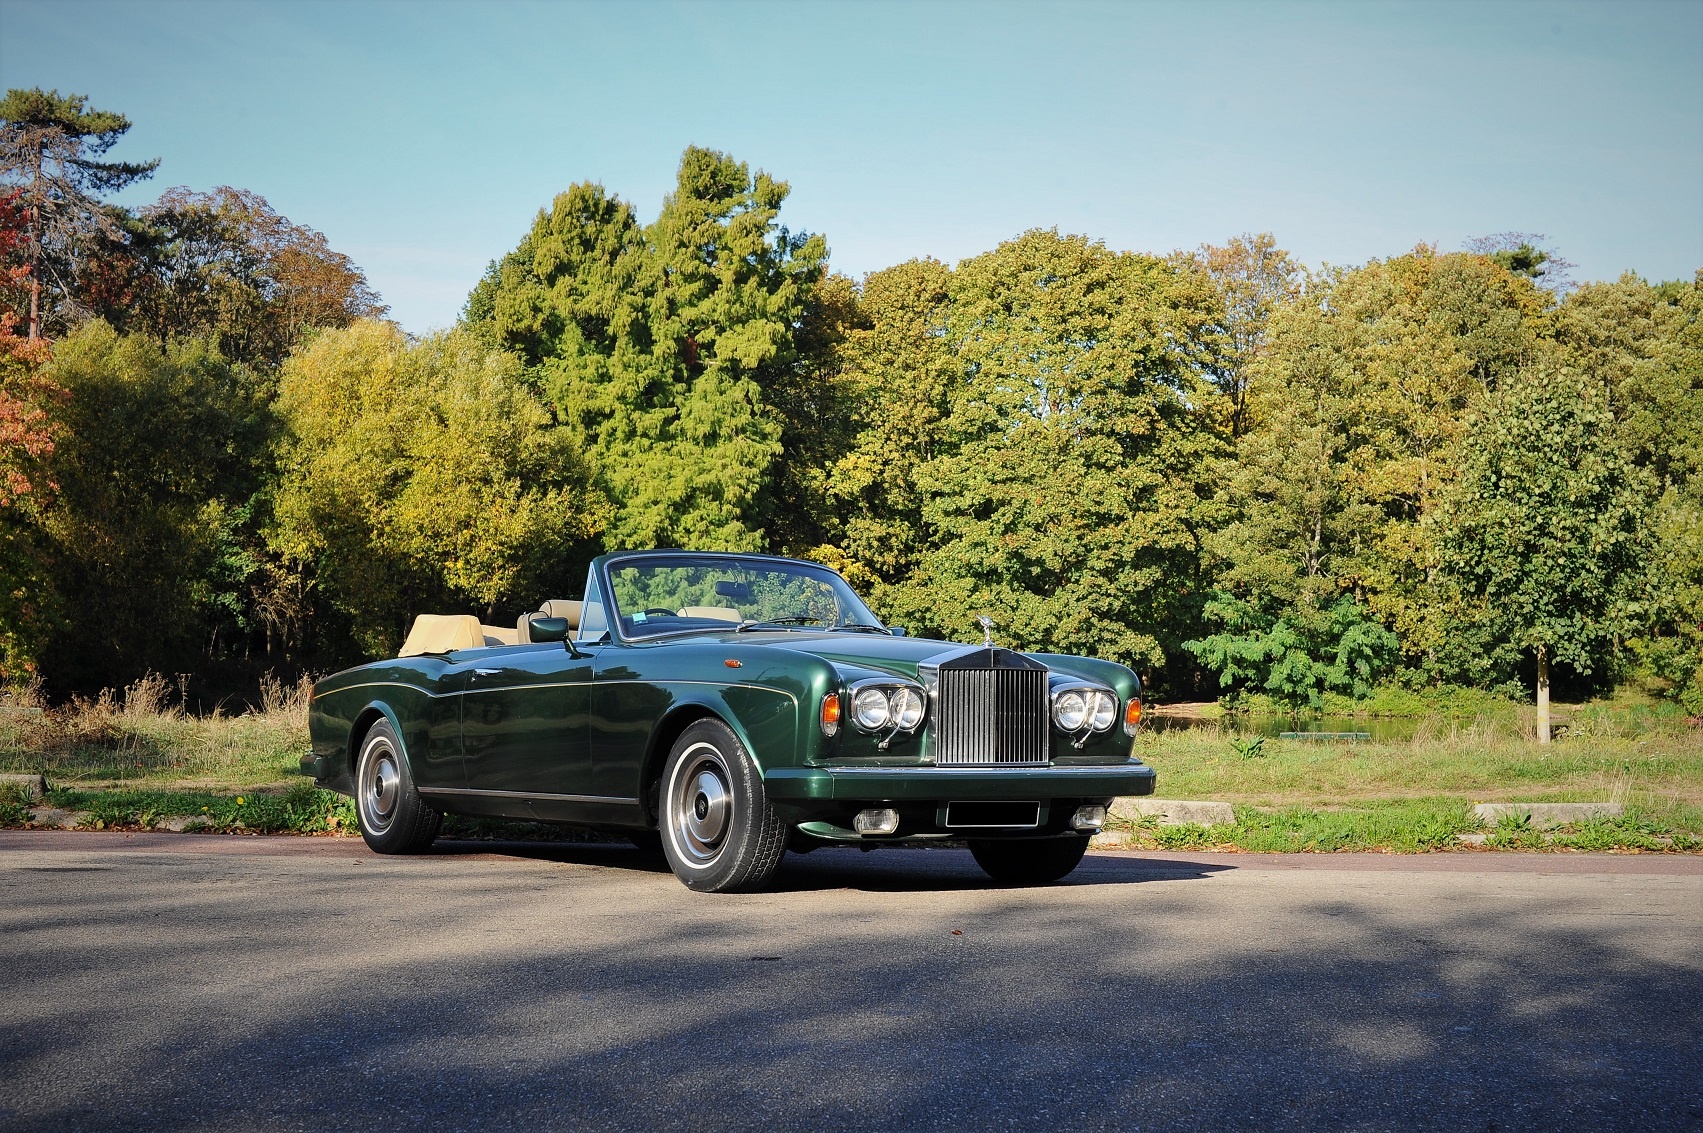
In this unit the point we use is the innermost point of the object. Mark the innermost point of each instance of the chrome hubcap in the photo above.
(381, 783)
(702, 804)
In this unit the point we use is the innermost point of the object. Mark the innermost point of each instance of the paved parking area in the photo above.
(181, 982)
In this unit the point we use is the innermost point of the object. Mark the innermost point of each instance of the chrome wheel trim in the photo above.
(700, 805)
(380, 786)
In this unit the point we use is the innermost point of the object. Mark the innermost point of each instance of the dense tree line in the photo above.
(1222, 468)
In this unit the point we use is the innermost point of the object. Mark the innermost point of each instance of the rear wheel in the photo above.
(1028, 861)
(393, 817)
(718, 830)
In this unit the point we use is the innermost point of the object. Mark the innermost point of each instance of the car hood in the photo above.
(899, 655)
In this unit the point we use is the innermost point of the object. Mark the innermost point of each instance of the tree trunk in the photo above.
(35, 307)
(1542, 694)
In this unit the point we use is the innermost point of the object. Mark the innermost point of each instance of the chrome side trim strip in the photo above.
(564, 684)
(539, 795)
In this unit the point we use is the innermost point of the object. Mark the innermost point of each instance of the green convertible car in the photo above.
(732, 707)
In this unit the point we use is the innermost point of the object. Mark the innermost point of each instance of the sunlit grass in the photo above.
(1626, 751)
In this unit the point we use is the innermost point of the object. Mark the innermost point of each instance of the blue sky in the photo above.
(422, 137)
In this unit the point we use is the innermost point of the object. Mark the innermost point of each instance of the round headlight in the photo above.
(870, 709)
(1105, 711)
(907, 708)
(1070, 709)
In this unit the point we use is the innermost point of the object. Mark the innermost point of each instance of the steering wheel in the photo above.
(660, 612)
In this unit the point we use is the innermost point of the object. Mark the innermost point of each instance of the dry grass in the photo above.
(142, 735)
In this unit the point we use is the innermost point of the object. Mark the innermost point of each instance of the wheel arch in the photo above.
(364, 721)
(668, 731)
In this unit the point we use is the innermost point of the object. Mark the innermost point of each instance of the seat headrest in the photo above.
(442, 633)
(563, 608)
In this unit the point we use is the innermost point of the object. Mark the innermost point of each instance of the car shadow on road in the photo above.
(892, 870)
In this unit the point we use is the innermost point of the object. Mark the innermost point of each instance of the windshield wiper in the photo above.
(790, 620)
(860, 627)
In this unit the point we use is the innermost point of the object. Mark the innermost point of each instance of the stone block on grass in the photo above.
(32, 786)
(1174, 812)
(1545, 816)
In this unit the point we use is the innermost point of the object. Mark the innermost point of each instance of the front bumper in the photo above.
(826, 784)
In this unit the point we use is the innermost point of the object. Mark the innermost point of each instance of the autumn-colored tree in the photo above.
(1359, 399)
(1253, 277)
(227, 267)
(50, 146)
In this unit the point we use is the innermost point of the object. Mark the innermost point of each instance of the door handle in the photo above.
(486, 672)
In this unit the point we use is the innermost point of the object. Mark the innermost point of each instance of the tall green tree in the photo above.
(660, 345)
(50, 148)
(1545, 523)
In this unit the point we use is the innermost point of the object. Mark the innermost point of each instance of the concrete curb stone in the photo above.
(1545, 816)
(1174, 812)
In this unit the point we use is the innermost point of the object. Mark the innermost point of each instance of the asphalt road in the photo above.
(180, 982)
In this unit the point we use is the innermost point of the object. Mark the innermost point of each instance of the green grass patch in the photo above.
(303, 809)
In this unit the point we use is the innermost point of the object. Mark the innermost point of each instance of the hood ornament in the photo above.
(987, 629)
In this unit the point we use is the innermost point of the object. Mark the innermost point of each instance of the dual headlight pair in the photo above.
(877, 708)
(1084, 710)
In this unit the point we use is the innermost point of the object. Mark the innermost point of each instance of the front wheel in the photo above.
(393, 817)
(718, 830)
(1028, 861)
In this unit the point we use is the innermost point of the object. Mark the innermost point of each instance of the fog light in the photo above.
(1085, 818)
(883, 821)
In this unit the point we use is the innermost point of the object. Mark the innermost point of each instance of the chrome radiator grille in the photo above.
(991, 716)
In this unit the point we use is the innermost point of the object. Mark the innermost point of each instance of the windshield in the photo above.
(683, 593)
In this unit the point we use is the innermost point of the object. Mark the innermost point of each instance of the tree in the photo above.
(1297, 658)
(1357, 408)
(27, 433)
(1066, 499)
(49, 148)
(1545, 524)
(1253, 278)
(1521, 253)
(659, 346)
(227, 267)
(900, 376)
(155, 448)
(421, 477)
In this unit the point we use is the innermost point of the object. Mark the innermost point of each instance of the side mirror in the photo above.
(896, 631)
(549, 629)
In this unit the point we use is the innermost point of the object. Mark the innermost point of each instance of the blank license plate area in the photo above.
(980, 813)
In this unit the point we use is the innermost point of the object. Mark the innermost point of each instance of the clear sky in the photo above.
(422, 137)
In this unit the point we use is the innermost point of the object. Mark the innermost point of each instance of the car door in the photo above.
(526, 729)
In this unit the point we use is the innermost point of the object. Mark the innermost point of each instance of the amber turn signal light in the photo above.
(1132, 716)
(830, 713)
